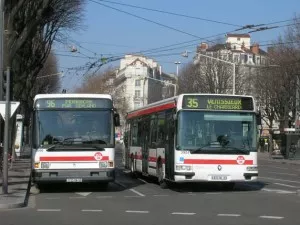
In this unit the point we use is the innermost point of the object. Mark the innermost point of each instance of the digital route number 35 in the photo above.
(192, 103)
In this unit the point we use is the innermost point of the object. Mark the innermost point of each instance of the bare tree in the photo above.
(277, 83)
(209, 76)
(104, 83)
(31, 28)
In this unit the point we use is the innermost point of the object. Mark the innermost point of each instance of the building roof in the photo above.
(261, 52)
(239, 35)
(216, 47)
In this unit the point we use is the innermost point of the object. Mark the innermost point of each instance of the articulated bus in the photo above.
(73, 138)
(194, 138)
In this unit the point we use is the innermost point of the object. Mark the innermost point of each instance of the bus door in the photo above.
(144, 144)
(169, 145)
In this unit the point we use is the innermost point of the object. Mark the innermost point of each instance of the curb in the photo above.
(281, 162)
(20, 204)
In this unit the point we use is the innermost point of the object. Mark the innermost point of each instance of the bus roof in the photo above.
(172, 103)
(43, 96)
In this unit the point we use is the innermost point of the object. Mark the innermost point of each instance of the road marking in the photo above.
(136, 192)
(145, 182)
(214, 193)
(132, 196)
(272, 217)
(233, 215)
(278, 191)
(91, 210)
(76, 197)
(130, 211)
(53, 198)
(83, 193)
(183, 213)
(290, 174)
(160, 195)
(286, 185)
(291, 181)
(48, 210)
(104, 196)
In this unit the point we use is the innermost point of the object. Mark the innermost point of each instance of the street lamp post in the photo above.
(231, 63)
(177, 67)
(50, 75)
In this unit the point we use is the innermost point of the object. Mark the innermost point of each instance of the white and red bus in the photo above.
(194, 138)
(73, 138)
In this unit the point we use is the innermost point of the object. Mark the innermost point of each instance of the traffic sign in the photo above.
(13, 107)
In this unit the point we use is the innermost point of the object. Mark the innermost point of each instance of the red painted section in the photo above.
(151, 110)
(70, 158)
(154, 159)
(217, 161)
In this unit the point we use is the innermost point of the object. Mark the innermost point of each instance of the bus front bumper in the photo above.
(73, 176)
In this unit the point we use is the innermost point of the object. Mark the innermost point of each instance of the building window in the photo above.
(236, 58)
(137, 93)
(137, 105)
(137, 83)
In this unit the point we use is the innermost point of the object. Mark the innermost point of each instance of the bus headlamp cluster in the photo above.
(183, 167)
(251, 168)
(45, 165)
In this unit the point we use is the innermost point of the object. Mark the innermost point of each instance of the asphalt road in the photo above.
(272, 200)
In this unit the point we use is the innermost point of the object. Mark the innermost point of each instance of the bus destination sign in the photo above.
(217, 102)
(73, 103)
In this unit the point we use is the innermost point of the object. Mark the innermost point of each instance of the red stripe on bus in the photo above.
(71, 158)
(154, 159)
(217, 161)
(151, 110)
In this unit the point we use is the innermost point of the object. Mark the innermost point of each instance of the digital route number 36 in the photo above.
(192, 103)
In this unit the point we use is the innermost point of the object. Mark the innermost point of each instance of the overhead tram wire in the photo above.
(172, 28)
(148, 20)
(170, 13)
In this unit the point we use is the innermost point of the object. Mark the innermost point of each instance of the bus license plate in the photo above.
(74, 180)
(219, 177)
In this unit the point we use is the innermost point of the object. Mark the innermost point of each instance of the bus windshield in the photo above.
(75, 127)
(216, 132)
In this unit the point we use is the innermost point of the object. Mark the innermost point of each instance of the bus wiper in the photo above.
(197, 150)
(238, 150)
(98, 147)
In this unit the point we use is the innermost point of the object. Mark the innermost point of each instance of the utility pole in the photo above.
(6, 134)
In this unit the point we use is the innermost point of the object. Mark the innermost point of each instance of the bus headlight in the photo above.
(183, 167)
(45, 165)
(251, 168)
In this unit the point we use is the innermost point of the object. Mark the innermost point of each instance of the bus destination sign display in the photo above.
(73, 103)
(217, 102)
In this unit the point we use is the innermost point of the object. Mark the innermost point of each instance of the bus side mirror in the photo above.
(258, 118)
(117, 119)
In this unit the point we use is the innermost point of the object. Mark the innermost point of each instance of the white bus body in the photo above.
(74, 138)
(184, 139)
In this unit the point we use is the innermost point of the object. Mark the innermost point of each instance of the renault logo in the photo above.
(219, 167)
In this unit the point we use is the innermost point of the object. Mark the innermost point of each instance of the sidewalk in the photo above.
(265, 156)
(19, 181)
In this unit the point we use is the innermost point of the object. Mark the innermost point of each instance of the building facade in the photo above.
(140, 81)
